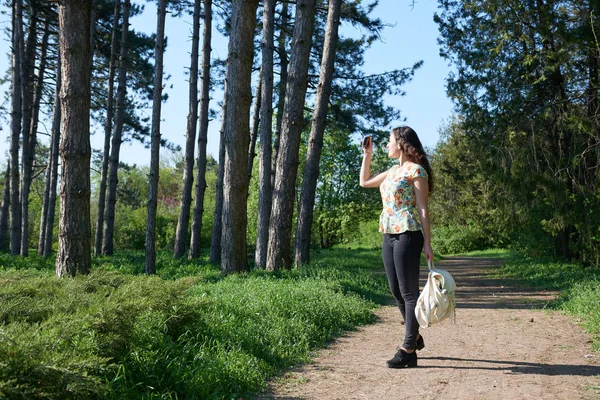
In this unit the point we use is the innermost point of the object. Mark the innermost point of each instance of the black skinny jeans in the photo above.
(401, 256)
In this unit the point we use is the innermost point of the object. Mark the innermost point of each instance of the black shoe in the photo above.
(403, 359)
(420, 343)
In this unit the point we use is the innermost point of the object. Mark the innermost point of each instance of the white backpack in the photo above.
(437, 300)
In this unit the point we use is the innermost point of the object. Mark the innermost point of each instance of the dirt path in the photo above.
(503, 346)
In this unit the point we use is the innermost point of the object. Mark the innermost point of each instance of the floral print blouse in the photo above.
(399, 199)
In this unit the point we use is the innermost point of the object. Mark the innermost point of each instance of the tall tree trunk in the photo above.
(93, 32)
(315, 141)
(44, 213)
(74, 241)
(215, 244)
(254, 128)
(56, 118)
(47, 217)
(266, 116)
(35, 113)
(161, 14)
(200, 187)
(4, 210)
(113, 180)
(237, 136)
(28, 68)
(15, 127)
(28, 76)
(107, 131)
(183, 220)
(280, 227)
(283, 76)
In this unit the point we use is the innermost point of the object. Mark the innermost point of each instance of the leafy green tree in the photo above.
(525, 87)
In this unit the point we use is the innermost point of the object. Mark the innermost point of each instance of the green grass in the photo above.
(187, 333)
(491, 253)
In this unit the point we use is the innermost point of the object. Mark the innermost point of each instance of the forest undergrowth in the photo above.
(191, 332)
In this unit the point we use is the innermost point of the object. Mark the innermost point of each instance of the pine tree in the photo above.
(150, 266)
(315, 141)
(181, 235)
(238, 96)
(200, 186)
(280, 226)
(74, 239)
(266, 118)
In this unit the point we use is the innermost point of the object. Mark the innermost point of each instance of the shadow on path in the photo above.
(516, 367)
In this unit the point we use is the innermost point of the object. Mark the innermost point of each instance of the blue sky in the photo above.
(412, 37)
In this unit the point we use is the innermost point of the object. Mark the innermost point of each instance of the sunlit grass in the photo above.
(189, 332)
(491, 253)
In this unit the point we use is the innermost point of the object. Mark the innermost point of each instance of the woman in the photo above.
(404, 223)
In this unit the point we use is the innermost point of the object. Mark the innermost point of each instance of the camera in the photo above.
(367, 141)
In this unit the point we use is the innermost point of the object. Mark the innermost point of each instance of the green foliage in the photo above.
(342, 207)
(453, 239)
(132, 195)
(467, 209)
(526, 90)
(195, 334)
(366, 234)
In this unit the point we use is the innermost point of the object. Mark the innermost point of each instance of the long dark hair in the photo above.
(410, 144)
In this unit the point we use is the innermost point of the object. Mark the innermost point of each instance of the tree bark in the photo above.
(27, 72)
(107, 131)
(4, 210)
(237, 136)
(44, 213)
(155, 140)
(215, 244)
(28, 77)
(283, 75)
(255, 126)
(15, 127)
(28, 169)
(183, 220)
(74, 241)
(56, 118)
(266, 116)
(200, 187)
(280, 227)
(113, 180)
(93, 17)
(315, 141)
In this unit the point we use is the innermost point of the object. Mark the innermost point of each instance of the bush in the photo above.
(67, 338)
(116, 334)
(454, 239)
(130, 227)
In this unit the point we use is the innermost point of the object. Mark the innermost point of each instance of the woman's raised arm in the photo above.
(366, 180)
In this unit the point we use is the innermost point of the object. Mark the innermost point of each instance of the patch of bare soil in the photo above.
(504, 345)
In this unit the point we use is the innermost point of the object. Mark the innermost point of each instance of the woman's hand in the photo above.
(368, 149)
(428, 253)
(366, 180)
